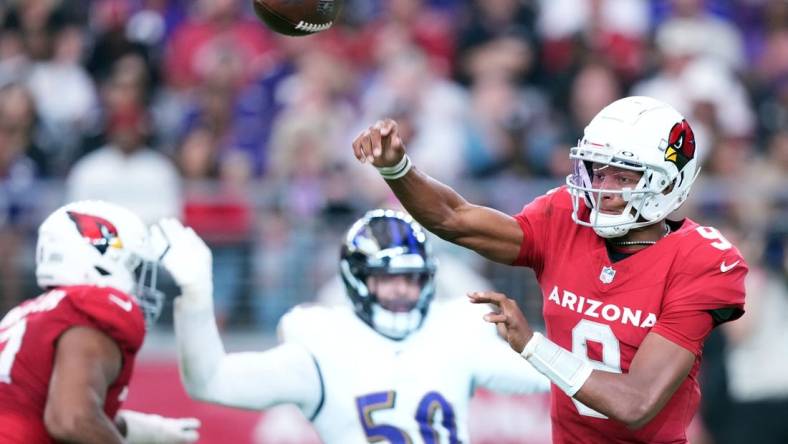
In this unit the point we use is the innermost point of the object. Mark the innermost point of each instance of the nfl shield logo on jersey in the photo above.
(607, 275)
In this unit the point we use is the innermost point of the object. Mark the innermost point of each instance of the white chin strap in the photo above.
(395, 325)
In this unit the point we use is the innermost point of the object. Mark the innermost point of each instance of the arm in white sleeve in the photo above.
(287, 373)
(502, 370)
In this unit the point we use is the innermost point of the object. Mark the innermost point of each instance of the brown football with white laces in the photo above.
(298, 17)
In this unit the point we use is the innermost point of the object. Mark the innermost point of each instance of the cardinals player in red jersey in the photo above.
(66, 357)
(629, 296)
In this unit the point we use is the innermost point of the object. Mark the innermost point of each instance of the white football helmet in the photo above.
(102, 244)
(638, 134)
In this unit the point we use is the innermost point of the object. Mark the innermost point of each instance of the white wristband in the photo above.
(567, 370)
(395, 172)
(145, 428)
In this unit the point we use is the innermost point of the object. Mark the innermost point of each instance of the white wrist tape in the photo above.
(567, 370)
(398, 170)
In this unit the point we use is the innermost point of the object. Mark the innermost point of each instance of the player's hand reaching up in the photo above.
(380, 145)
(188, 260)
(507, 316)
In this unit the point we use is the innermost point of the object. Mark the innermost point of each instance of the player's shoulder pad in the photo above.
(112, 311)
(302, 322)
(560, 197)
(557, 198)
(705, 251)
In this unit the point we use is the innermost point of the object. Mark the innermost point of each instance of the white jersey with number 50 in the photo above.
(409, 391)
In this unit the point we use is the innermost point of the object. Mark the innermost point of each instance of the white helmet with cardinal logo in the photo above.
(102, 244)
(640, 134)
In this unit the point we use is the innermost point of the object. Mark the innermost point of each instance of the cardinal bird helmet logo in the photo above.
(681, 144)
(100, 232)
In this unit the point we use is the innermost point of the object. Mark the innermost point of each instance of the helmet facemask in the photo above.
(149, 297)
(134, 272)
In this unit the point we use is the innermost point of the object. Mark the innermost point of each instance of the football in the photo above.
(297, 17)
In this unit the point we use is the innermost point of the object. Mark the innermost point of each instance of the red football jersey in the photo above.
(28, 338)
(603, 310)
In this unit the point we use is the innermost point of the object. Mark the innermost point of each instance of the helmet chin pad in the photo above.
(395, 325)
(611, 225)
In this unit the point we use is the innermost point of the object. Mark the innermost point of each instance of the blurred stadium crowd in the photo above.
(191, 108)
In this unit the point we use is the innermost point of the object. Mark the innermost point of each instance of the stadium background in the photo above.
(246, 136)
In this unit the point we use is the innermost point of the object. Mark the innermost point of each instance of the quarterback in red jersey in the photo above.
(629, 296)
(66, 357)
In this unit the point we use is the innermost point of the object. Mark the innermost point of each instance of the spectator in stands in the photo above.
(703, 33)
(499, 30)
(611, 30)
(216, 33)
(36, 20)
(126, 170)
(216, 205)
(593, 86)
(704, 90)
(510, 132)
(437, 109)
(111, 23)
(65, 95)
(14, 60)
(412, 22)
(19, 116)
(771, 91)
(19, 170)
(766, 175)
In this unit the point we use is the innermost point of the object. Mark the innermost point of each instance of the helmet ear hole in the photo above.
(102, 271)
(680, 179)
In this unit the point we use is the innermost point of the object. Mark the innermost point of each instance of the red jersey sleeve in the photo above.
(113, 312)
(707, 289)
(688, 329)
(533, 220)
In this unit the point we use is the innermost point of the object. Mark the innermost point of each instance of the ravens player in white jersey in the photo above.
(393, 365)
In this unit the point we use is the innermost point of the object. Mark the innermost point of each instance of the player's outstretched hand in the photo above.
(507, 316)
(145, 428)
(187, 258)
(379, 144)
